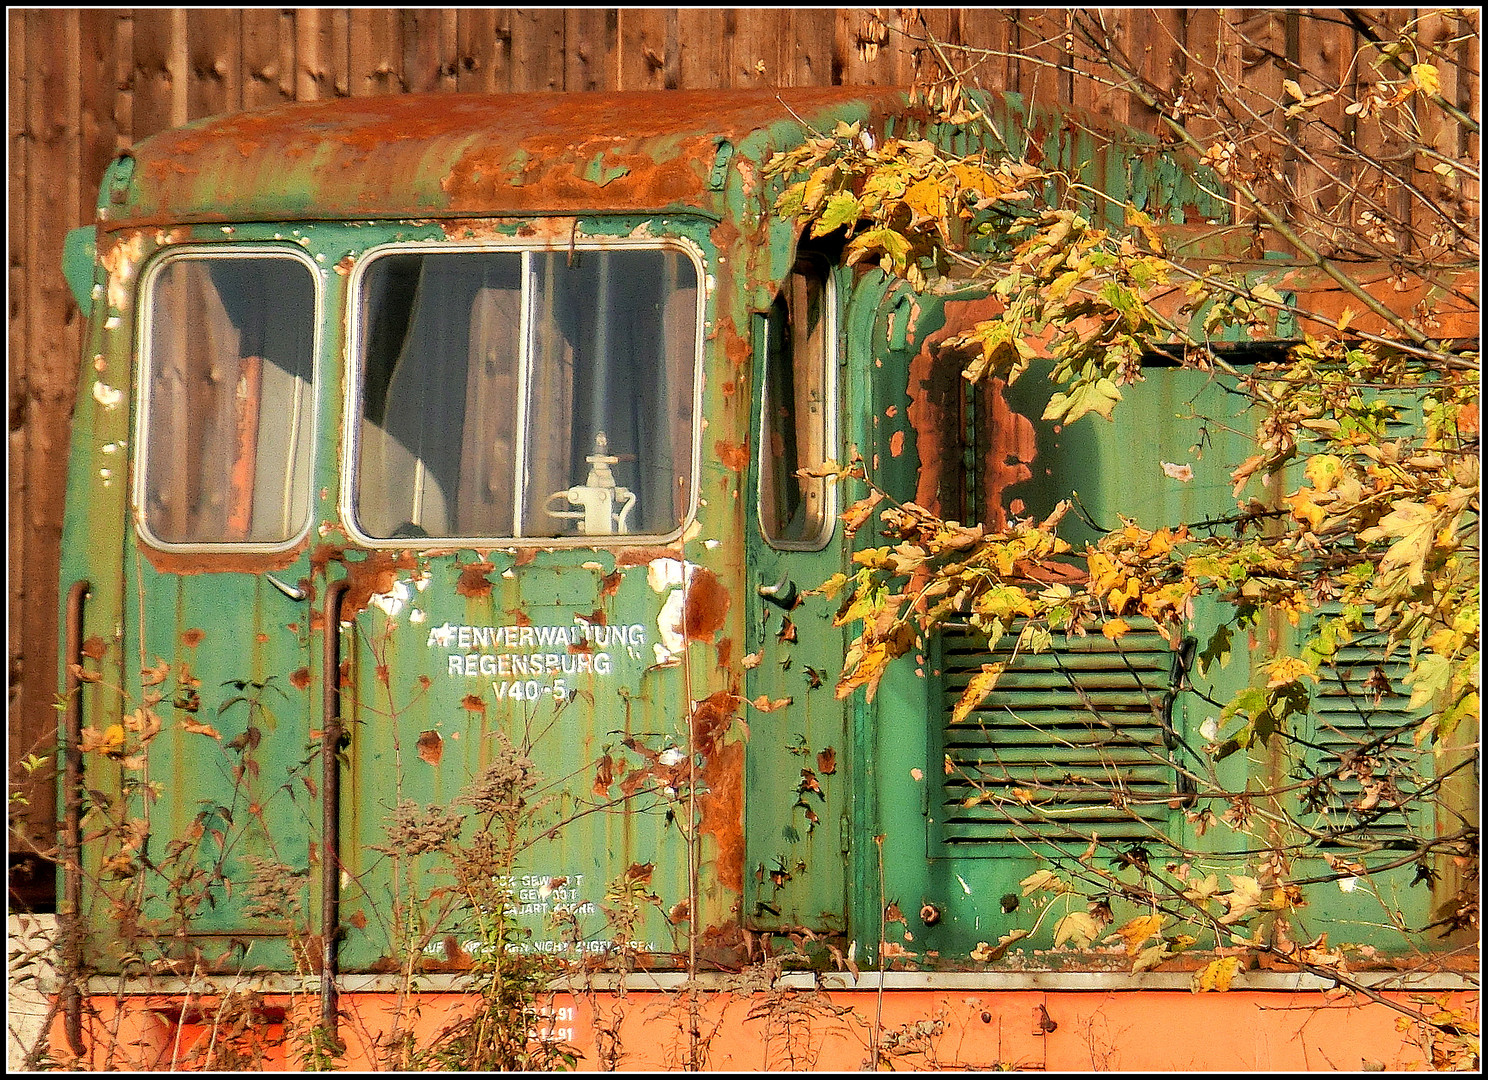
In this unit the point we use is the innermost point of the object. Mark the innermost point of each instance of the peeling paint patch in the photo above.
(668, 576)
(597, 173)
(108, 396)
(375, 575)
(430, 747)
(392, 601)
(121, 261)
(695, 607)
(473, 581)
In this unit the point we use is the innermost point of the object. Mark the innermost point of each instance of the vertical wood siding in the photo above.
(84, 83)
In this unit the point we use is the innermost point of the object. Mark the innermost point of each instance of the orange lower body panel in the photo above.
(797, 1030)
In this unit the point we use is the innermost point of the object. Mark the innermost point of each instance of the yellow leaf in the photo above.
(1043, 880)
(867, 671)
(1137, 932)
(1114, 628)
(925, 199)
(1078, 928)
(832, 586)
(110, 741)
(980, 686)
(1288, 669)
(1216, 975)
(1062, 286)
(1324, 470)
(1415, 524)
(1305, 510)
(1426, 78)
(764, 704)
(1246, 895)
(1151, 956)
(1201, 887)
(816, 187)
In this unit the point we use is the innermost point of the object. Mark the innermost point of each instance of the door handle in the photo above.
(783, 594)
(294, 592)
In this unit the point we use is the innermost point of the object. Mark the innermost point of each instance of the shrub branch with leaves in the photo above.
(1355, 521)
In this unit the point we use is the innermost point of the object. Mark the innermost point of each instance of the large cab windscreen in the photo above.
(509, 394)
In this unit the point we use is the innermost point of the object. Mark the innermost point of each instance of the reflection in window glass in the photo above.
(526, 394)
(795, 511)
(229, 398)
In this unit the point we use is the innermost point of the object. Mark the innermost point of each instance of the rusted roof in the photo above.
(442, 155)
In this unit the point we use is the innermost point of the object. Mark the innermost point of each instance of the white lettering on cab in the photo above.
(528, 663)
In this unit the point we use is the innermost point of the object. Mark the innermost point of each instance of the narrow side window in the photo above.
(227, 416)
(797, 421)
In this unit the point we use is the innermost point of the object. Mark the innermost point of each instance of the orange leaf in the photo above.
(196, 727)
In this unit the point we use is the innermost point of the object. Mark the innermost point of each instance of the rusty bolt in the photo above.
(929, 914)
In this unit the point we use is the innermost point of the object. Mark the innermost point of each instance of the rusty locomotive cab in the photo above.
(422, 440)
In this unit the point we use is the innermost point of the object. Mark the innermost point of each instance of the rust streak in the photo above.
(644, 556)
(470, 154)
(706, 605)
(734, 456)
(722, 813)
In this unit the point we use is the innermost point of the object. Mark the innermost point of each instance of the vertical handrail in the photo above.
(70, 917)
(330, 790)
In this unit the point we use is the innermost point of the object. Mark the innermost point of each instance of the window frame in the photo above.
(157, 263)
(831, 359)
(355, 324)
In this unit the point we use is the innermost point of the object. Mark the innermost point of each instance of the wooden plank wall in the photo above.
(84, 83)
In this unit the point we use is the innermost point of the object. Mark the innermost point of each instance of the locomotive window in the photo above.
(228, 398)
(797, 427)
(526, 394)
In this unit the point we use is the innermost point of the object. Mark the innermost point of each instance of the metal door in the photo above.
(796, 814)
(520, 467)
(214, 618)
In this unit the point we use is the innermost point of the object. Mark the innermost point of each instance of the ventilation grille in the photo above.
(1358, 701)
(1071, 741)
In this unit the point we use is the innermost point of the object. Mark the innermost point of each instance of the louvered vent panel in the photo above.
(1353, 705)
(1073, 736)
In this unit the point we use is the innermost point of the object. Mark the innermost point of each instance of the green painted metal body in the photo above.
(776, 848)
